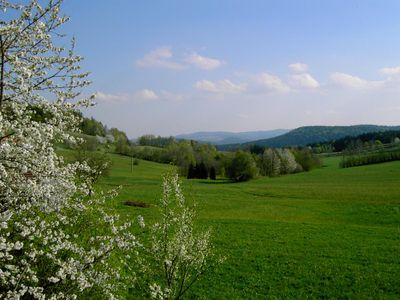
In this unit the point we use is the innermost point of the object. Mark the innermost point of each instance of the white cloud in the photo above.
(304, 80)
(104, 97)
(272, 82)
(144, 95)
(298, 67)
(203, 62)
(390, 71)
(350, 81)
(160, 58)
(221, 86)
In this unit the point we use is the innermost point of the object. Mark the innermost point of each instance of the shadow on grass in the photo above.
(218, 181)
(136, 203)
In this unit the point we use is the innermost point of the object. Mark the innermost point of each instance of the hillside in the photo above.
(313, 134)
(384, 137)
(225, 137)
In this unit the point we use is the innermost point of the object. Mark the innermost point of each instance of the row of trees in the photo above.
(187, 155)
(90, 126)
(361, 159)
(242, 165)
(367, 140)
(200, 171)
(155, 141)
(196, 160)
(99, 137)
(202, 161)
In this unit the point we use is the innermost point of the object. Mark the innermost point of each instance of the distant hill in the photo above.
(313, 134)
(224, 137)
(385, 137)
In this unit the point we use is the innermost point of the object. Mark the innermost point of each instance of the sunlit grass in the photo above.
(328, 233)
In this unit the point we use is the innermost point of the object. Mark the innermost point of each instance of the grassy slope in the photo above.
(329, 233)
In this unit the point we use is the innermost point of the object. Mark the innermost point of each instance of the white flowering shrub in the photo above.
(178, 255)
(275, 162)
(55, 240)
(288, 161)
(270, 163)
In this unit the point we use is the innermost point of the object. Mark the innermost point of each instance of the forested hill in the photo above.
(313, 134)
(224, 137)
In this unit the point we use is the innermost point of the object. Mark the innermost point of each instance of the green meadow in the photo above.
(328, 233)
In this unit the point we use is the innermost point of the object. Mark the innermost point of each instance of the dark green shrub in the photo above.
(241, 167)
(191, 172)
(213, 175)
(201, 171)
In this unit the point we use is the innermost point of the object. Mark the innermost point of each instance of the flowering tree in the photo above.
(30, 61)
(178, 256)
(288, 161)
(54, 239)
(270, 163)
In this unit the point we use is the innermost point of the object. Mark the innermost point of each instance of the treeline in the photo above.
(371, 148)
(307, 135)
(369, 158)
(155, 141)
(97, 135)
(198, 160)
(202, 161)
(366, 140)
(93, 127)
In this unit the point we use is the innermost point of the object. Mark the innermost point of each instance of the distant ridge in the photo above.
(303, 136)
(225, 137)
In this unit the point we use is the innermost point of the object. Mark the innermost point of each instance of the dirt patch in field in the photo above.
(136, 203)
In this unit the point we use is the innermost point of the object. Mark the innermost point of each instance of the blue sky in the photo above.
(170, 67)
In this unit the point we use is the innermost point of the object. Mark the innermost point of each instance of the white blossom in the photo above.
(288, 161)
(44, 210)
(140, 221)
(270, 163)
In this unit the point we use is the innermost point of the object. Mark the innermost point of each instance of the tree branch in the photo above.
(34, 21)
(2, 56)
(6, 136)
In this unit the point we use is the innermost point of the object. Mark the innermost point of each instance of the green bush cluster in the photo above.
(306, 159)
(241, 167)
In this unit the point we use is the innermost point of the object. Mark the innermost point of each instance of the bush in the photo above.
(241, 167)
(269, 163)
(275, 162)
(306, 159)
(288, 161)
(213, 175)
(201, 171)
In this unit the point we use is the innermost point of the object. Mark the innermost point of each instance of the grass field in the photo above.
(328, 233)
